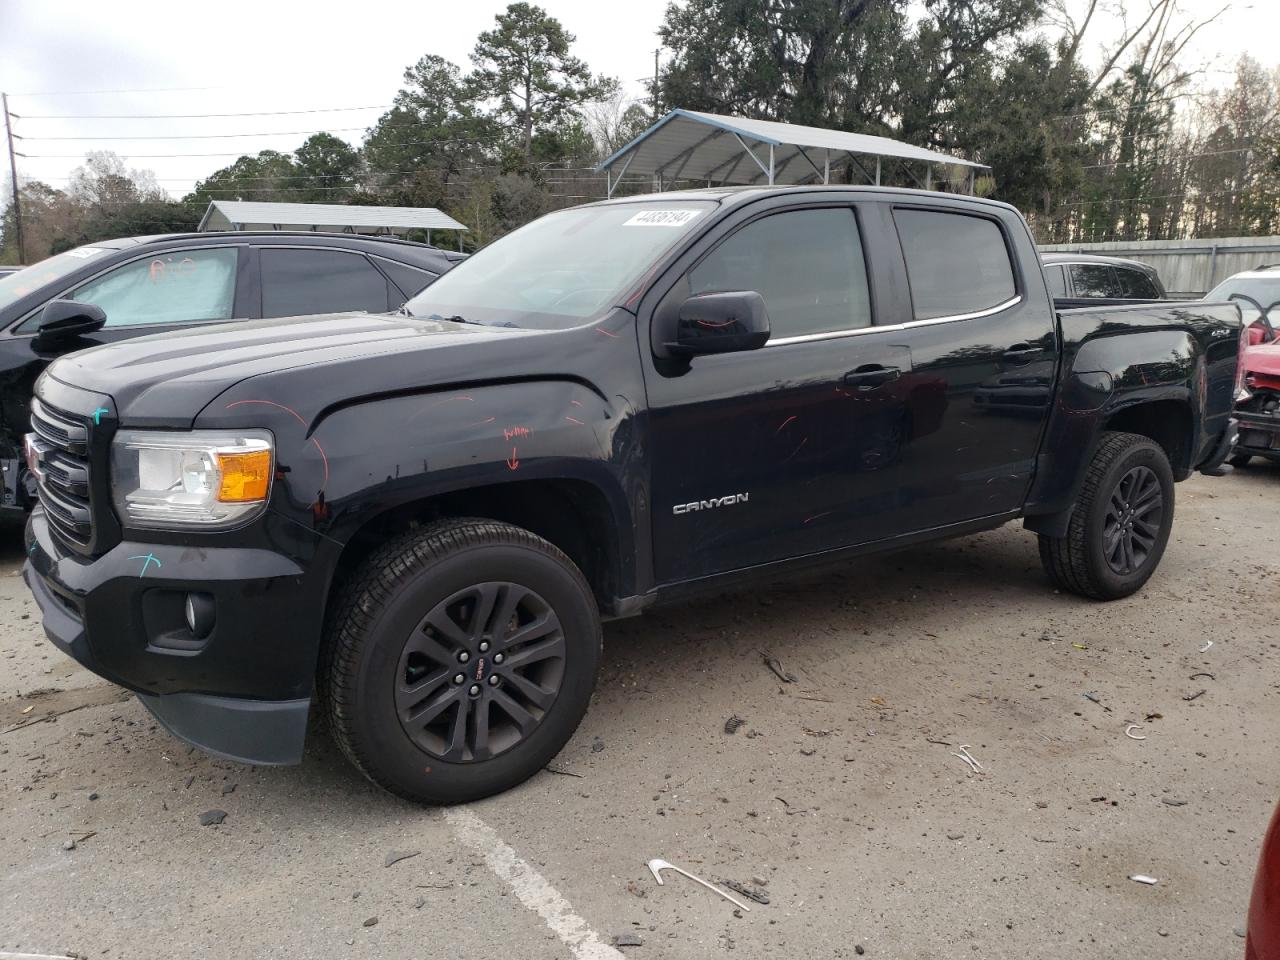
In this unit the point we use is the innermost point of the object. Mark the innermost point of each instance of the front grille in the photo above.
(64, 473)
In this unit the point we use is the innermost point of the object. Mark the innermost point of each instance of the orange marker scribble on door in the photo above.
(510, 433)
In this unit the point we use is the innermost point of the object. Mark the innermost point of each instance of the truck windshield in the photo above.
(562, 269)
(15, 286)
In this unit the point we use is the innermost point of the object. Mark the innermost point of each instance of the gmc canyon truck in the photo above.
(414, 524)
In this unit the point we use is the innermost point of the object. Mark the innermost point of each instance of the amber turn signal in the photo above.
(245, 476)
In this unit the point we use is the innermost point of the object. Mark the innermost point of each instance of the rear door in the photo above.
(981, 336)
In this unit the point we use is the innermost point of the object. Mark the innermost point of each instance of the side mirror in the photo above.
(721, 323)
(63, 320)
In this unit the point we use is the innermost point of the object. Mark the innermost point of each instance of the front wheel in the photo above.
(459, 660)
(1121, 522)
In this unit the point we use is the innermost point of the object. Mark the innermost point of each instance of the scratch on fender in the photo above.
(607, 333)
(575, 420)
(481, 423)
(816, 516)
(796, 450)
(783, 424)
(324, 458)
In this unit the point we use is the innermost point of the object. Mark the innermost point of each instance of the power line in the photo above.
(86, 93)
(206, 136)
(191, 116)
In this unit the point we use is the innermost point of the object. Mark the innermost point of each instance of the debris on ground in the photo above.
(1133, 726)
(1143, 878)
(627, 940)
(775, 665)
(964, 755)
(1197, 676)
(562, 773)
(859, 949)
(1093, 698)
(395, 856)
(751, 893)
(419, 903)
(229, 788)
(371, 922)
(69, 845)
(210, 817)
(1173, 802)
(1193, 696)
(1207, 645)
(656, 866)
(597, 745)
(733, 723)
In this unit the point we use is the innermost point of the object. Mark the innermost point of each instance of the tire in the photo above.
(389, 679)
(1240, 459)
(1091, 559)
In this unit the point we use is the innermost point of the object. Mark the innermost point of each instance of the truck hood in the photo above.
(167, 379)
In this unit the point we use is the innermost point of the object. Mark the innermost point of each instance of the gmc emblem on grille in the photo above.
(728, 501)
(33, 451)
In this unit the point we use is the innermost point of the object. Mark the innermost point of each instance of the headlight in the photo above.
(201, 478)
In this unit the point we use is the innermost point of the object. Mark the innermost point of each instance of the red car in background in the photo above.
(1258, 412)
(1263, 939)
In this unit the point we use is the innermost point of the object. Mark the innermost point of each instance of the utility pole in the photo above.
(655, 83)
(13, 173)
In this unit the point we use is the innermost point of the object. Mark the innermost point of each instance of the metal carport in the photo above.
(326, 217)
(687, 145)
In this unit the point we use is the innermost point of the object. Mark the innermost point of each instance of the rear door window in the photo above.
(807, 264)
(1095, 281)
(957, 264)
(297, 281)
(181, 286)
(1136, 285)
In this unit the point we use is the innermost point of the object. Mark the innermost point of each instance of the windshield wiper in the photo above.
(460, 319)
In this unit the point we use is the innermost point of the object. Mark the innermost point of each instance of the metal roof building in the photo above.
(325, 217)
(687, 145)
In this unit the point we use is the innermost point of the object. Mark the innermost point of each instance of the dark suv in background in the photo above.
(160, 284)
(1085, 280)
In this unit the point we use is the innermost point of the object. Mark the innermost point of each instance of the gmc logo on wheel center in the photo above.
(697, 505)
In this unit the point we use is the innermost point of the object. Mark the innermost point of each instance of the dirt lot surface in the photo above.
(840, 796)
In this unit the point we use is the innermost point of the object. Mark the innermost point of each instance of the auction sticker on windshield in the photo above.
(84, 253)
(661, 218)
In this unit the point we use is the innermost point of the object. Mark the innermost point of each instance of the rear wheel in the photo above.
(1121, 522)
(460, 660)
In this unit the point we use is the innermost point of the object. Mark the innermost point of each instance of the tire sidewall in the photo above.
(375, 723)
(1141, 454)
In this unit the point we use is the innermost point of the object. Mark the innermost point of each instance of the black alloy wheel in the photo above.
(1135, 514)
(480, 671)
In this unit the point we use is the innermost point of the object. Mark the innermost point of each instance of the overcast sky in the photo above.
(128, 57)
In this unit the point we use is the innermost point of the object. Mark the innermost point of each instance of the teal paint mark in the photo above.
(97, 414)
(147, 560)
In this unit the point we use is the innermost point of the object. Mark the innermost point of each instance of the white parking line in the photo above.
(530, 887)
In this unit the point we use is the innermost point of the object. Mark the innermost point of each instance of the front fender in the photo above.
(359, 461)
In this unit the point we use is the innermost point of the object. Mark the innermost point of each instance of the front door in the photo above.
(753, 453)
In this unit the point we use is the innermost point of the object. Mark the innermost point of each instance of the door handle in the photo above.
(1021, 352)
(871, 375)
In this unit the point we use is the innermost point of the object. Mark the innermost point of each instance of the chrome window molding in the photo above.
(930, 321)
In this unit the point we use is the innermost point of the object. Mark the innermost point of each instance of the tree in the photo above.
(433, 133)
(327, 168)
(269, 175)
(525, 65)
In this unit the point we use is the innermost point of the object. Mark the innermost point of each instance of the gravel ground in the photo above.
(840, 795)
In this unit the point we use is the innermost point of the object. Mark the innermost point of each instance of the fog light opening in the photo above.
(200, 614)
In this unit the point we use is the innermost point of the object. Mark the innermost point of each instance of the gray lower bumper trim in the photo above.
(268, 732)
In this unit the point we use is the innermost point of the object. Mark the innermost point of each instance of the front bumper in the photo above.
(243, 691)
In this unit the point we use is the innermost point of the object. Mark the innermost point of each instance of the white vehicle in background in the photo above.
(1261, 284)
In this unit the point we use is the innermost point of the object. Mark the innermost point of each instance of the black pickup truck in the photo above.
(417, 522)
